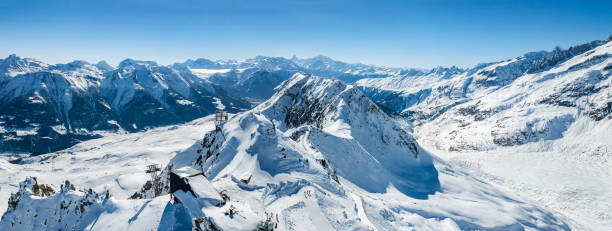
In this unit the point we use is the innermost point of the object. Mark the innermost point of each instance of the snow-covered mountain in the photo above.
(313, 153)
(256, 78)
(320, 65)
(49, 107)
(318, 155)
(534, 97)
(538, 124)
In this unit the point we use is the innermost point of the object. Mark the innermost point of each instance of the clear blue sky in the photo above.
(389, 33)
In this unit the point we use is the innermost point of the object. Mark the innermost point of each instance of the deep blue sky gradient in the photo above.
(389, 33)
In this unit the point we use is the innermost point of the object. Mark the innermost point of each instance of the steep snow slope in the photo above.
(145, 94)
(44, 108)
(537, 106)
(317, 155)
(506, 103)
(538, 125)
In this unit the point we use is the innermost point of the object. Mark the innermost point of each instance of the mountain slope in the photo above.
(45, 108)
(317, 155)
(518, 101)
(52, 107)
(537, 125)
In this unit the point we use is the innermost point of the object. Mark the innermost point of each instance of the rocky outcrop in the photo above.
(39, 207)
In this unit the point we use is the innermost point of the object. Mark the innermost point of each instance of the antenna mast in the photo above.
(152, 169)
(220, 118)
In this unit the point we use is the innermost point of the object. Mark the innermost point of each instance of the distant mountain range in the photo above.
(393, 150)
(47, 107)
(534, 97)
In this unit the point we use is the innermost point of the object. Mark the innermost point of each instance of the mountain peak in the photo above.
(78, 63)
(104, 66)
(330, 108)
(11, 59)
(199, 63)
(323, 58)
(14, 65)
(131, 62)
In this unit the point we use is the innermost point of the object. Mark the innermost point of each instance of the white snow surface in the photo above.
(115, 162)
(317, 156)
(543, 135)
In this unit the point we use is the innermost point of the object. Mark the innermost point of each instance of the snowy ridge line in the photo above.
(299, 159)
(457, 106)
(271, 157)
(277, 162)
(497, 120)
(137, 95)
(50, 100)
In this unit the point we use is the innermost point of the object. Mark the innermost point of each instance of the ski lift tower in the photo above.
(220, 118)
(152, 169)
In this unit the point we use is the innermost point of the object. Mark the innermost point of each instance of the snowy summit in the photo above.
(318, 155)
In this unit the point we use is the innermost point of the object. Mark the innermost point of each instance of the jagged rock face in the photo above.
(534, 97)
(156, 187)
(325, 103)
(318, 112)
(557, 56)
(45, 108)
(322, 112)
(39, 207)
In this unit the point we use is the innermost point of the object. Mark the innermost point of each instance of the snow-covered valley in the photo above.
(520, 144)
(281, 169)
(576, 185)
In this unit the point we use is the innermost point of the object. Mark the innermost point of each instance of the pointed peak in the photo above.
(17, 65)
(12, 58)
